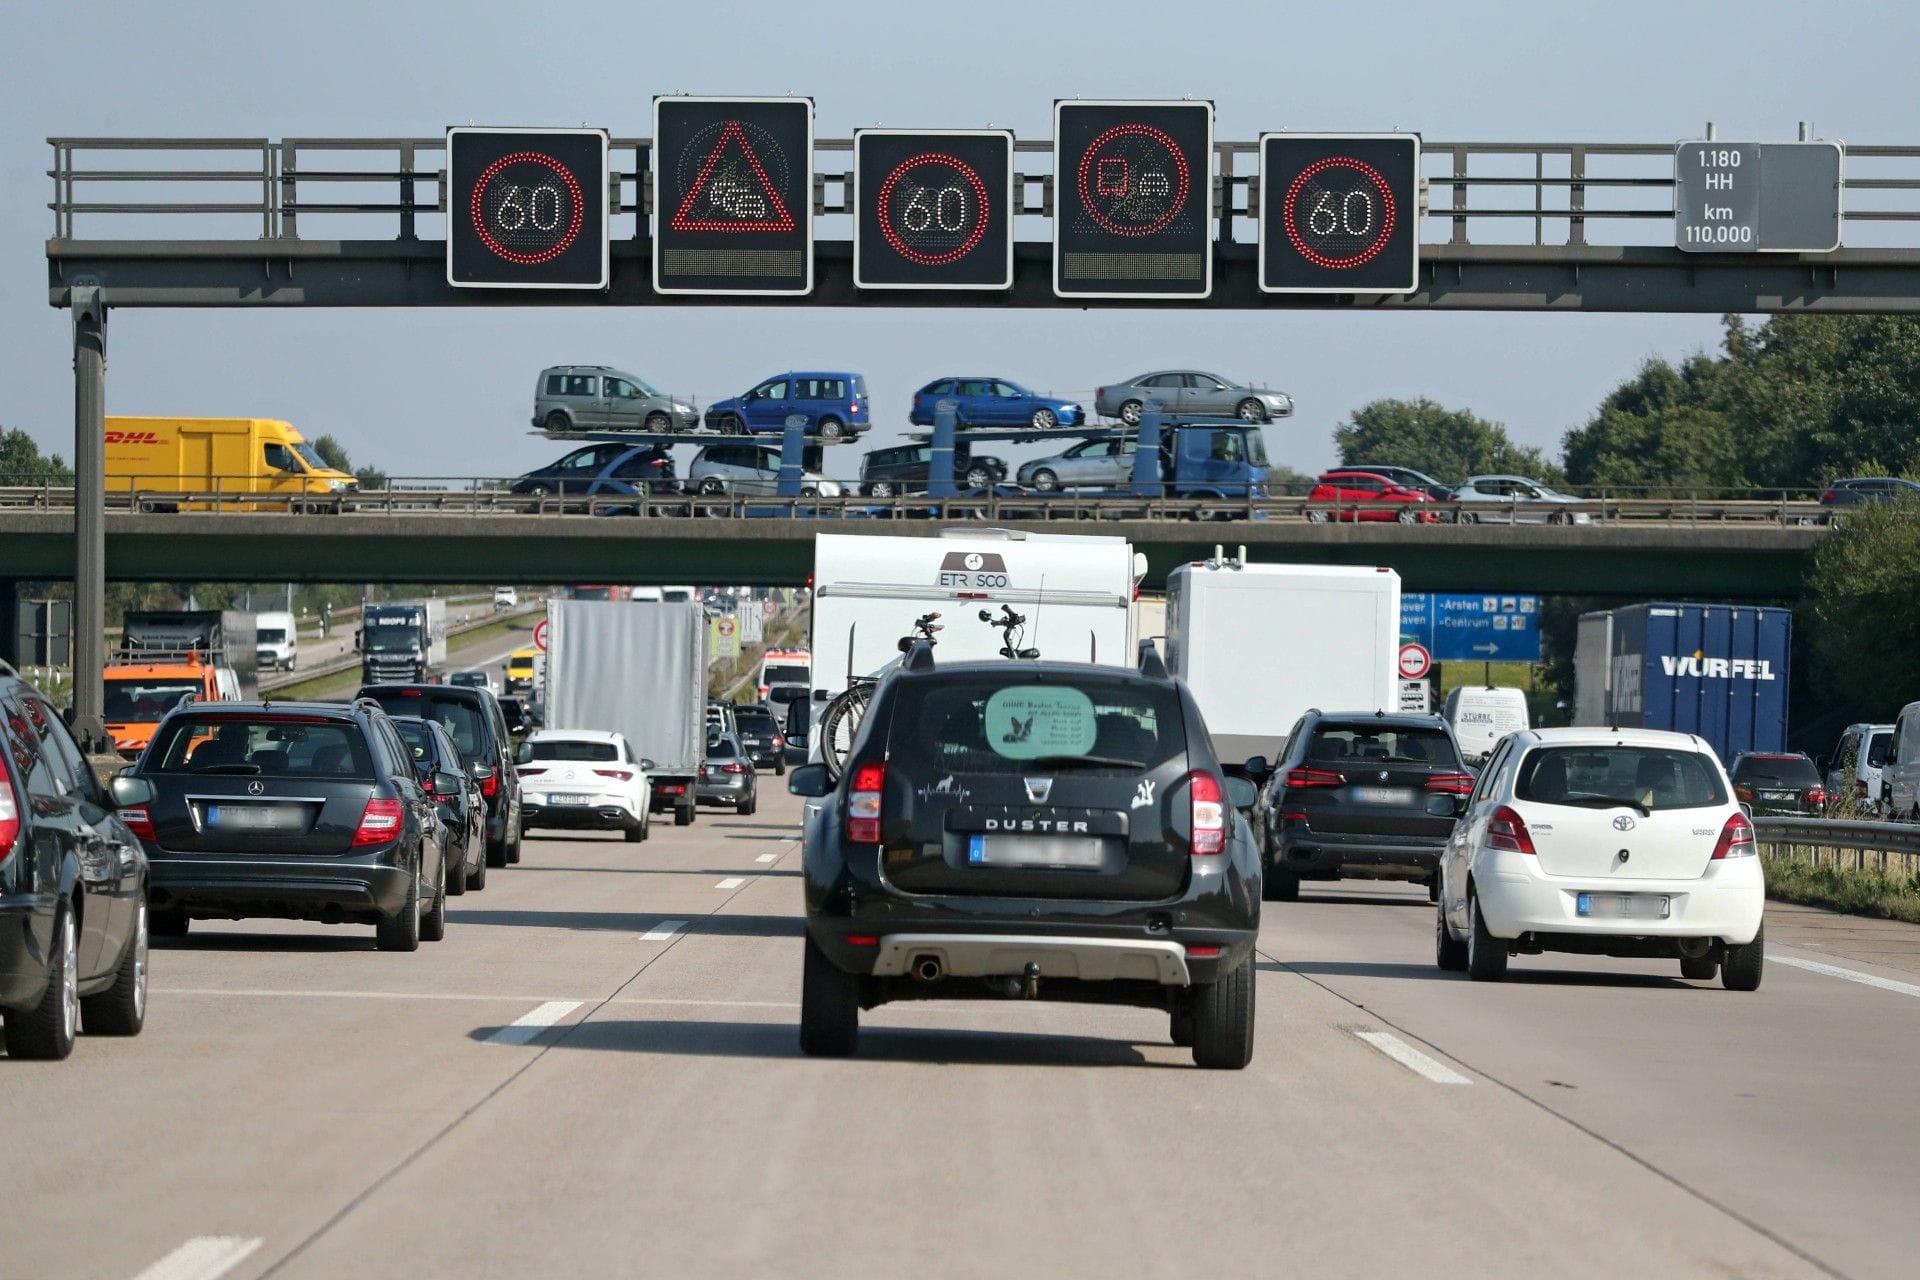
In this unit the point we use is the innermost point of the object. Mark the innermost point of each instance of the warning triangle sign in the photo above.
(733, 192)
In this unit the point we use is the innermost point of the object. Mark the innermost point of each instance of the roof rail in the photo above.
(1152, 664)
(919, 657)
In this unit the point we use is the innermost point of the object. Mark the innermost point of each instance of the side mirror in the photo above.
(646, 763)
(482, 772)
(810, 780)
(444, 786)
(1257, 769)
(1460, 806)
(130, 793)
(1242, 793)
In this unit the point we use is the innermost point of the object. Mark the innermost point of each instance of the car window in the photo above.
(143, 699)
(721, 749)
(458, 716)
(582, 384)
(1361, 484)
(569, 749)
(942, 388)
(775, 390)
(759, 719)
(556, 384)
(1598, 776)
(1490, 774)
(24, 747)
(1008, 390)
(1207, 382)
(281, 458)
(621, 389)
(1166, 380)
(417, 736)
(1336, 743)
(1879, 749)
(265, 745)
(1794, 771)
(990, 724)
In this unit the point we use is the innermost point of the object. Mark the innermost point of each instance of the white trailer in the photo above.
(1261, 644)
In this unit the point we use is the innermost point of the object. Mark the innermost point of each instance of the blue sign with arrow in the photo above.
(1472, 628)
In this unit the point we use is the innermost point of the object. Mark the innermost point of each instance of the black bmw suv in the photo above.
(295, 810)
(1361, 794)
(1037, 830)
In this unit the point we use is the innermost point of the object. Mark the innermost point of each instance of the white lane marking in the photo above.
(340, 995)
(529, 1025)
(202, 1258)
(707, 1004)
(662, 931)
(1850, 975)
(731, 882)
(768, 857)
(1411, 1058)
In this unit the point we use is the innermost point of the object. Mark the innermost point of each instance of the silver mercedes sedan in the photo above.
(1191, 393)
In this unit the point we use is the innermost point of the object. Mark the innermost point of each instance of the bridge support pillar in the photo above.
(10, 624)
(89, 513)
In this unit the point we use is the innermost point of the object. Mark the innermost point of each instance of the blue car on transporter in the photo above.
(994, 402)
(836, 405)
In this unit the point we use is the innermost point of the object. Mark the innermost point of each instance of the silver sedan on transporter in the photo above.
(1100, 464)
(1514, 500)
(1191, 393)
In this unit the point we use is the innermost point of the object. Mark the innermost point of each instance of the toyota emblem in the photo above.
(1623, 823)
(256, 787)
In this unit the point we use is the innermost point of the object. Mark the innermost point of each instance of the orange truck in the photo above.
(140, 693)
(165, 655)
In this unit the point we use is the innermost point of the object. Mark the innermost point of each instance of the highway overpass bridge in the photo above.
(1644, 561)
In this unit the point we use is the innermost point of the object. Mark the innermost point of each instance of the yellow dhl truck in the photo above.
(159, 458)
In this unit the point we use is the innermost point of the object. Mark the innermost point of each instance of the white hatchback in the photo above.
(583, 779)
(1615, 842)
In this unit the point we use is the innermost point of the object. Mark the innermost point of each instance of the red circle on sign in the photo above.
(726, 626)
(477, 208)
(1415, 662)
(540, 635)
(1368, 252)
(1182, 177)
(899, 241)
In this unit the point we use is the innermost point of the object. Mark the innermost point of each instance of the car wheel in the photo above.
(880, 489)
(1486, 954)
(477, 878)
(979, 478)
(1045, 481)
(401, 930)
(634, 833)
(1180, 1022)
(683, 815)
(659, 422)
(746, 808)
(712, 487)
(1449, 953)
(1317, 517)
(1251, 410)
(1465, 517)
(513, 850)
(121, 1010)
(1223, 1019)
(1044, 420)
(1699, 968)
(780, 768)
(457, 877)
(1280, 886)
(1407, 515)
(539, 491)
(1740, 967)
(1130, 412)
(829, 1007)
(558, 421)
(46, 1031)
(433, 927)
(497, 853)
(1559, 517)
(168, 924)
(831, 429)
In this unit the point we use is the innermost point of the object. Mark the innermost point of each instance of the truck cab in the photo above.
(139, 694)
(1203, 460)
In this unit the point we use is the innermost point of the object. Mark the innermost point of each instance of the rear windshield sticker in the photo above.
(1026, 723)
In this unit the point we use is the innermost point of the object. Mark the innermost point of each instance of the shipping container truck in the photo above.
(402, 641)
(1260, 645)
(639, 670)
(163, 458)
(1719, 671)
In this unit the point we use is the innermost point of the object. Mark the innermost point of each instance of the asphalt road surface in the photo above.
(596, 1074)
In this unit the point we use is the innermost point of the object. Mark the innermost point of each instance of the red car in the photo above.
(1362, 495)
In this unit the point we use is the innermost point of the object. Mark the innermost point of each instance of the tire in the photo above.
(457, 877)
(433, 927)
(1449, 953)
(1223, 1020)
(121, 1010)
(401, 930)
(1486, 954)
(634, 834)
(539, 491)
(683, 815)
(1046, 481)
(979, 478)
(1318, 517)
(1433, 887)
(829, 1007)
(712, 487)
(1700, 969)
(746, 808)
(659, 422)
(477, 878)
(780, 767)
(513, 850)
(880, 489)
(1465, 517)
(1406, 515)
(1740, 967)
(832, 429)
(167, 924)
(1279, 886)
(557, 421)
(1044, 420)
(1180, 1022)
(46, 1031)
(1250, 410)
(1131, 411)
(497, 853)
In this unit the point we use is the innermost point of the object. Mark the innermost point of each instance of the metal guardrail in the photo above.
(1842, 842)
(1538, 193)
(475, 498)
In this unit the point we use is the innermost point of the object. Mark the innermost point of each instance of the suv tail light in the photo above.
(138, 821)
(1736, 839)
(733, 766)
(1827, 496)
(863, 803)
(379, 822)
(490, 785)
(1209, 814)
(1454, 784)
(1315, 778)
(1816, 795)
(9, 813)
(1508, 830)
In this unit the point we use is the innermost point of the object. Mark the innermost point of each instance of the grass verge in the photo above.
(1890, 895)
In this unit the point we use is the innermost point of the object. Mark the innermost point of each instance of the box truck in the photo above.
(276, 640)
(402, 641)
(640, 670)
(159, 458)
(1719, 671)
(1261, 644)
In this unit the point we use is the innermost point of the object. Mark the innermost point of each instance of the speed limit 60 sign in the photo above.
(933, 209)
(527, 208)
(1339, 212)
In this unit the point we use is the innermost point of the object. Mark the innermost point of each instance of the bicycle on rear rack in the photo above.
(840, 722)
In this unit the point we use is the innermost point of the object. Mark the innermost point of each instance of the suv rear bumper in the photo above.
(985, 955)
(1316, 854)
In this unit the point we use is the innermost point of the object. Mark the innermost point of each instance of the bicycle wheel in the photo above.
(840, 725)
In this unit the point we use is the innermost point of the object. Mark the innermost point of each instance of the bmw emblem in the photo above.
(1623, 823)
(256, 788)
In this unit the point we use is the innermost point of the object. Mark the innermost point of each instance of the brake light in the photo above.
(1508, 830)
(854, 407)
(1742, 792)
(137, 822)
(379, 822)
(1736, 839)
(1209, 814)
(621, 774)
(490, 785)
(1827, 496)
(863, 803)
(1454, 784)
(1816, 795)
(733, 766)
(410, 693)
(9, 813)
(526, 770)
(863, 939)
(1315, 778)
(779, 741)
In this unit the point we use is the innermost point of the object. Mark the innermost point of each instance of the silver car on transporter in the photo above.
(1193, 394)
(592, 397)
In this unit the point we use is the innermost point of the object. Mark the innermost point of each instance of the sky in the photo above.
(449, 392)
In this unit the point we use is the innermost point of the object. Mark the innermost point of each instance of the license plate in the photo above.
(569, 799)
(253, 817)
(1382, 795)
(1777, 795)
(1076, 852)
(1623, 906)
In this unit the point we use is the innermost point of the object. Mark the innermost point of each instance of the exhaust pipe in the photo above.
(1694, 948)
(927, 968)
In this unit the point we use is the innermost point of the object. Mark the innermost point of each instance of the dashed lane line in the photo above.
(731, 882)
(523, 1029)
(1848, 975)
(1411, 1058)
(768, 857)
(202, 1258)
(662, 931)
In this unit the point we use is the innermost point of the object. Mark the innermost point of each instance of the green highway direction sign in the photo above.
(1756, 197)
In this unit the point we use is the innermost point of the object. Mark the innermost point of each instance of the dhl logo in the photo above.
(133, 437)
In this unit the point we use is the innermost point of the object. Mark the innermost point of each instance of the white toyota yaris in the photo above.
(1614, 842)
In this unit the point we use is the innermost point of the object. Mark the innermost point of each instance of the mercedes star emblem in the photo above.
(256, 787)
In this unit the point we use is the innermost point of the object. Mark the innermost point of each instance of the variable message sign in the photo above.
(1339, 212)
(933, 209)
(733, 195)
(527, 208)
(1133, 199)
